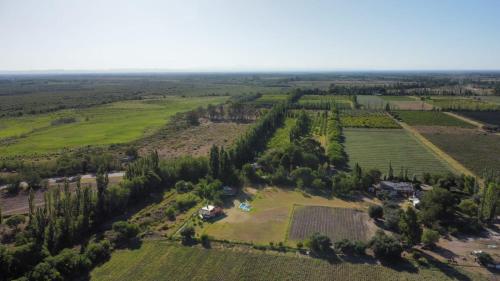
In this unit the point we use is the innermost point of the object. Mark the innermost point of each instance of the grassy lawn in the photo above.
(162, 260)
(431, 118)
(270, 215)
(119, 122)
(375, 148)
(282, 135)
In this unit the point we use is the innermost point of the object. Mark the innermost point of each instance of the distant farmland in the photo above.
(113, 123)
(336, 223)
(375, 148)
(158, 260)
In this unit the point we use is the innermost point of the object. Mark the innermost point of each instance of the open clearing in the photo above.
(375, 148)
(336, 223)
(195, 141)
(269, 218)
(119, 122)
(430, 118)
(476, 150)
(161, 260)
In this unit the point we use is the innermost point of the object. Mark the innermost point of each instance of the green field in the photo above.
(282, 135)
(161, 260)
(430, 118)
(375, 148)
(118, 122)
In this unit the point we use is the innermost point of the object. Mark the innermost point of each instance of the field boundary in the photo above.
(290, 220)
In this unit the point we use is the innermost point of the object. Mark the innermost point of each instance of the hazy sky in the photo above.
(249, 35)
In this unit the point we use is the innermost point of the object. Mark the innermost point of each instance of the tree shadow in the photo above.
(400, 265)
(449, 270)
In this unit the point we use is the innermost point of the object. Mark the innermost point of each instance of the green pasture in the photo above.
(114, 123)
(162, 260)
(375, 148)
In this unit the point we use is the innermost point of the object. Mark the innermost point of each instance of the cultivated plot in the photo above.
(336, 223)
(155, 260)
(430, 118)
(376, 148)
(476, 150)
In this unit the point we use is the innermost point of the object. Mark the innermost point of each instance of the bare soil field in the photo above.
(196, 141)
(336, 223)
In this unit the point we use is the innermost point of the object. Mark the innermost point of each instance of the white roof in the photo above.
(208, 208)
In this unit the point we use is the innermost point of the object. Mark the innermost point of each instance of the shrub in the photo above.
(98, 252)
(375, 212)
(205, 240)
(385, 247)
(184, 202)
(359, 247)
(187, 234)
(125, 230)
(485, 258)
(170, 212)
(15, 221)
(430, 237)
(183, 186)
(468, 207)
(344, 245)
(319, 244)
(43, 272)
(69, 263)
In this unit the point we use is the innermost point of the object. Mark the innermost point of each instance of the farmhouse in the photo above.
(209, 212)
(395, 188)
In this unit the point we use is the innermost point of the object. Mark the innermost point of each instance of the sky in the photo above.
(252, 35)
